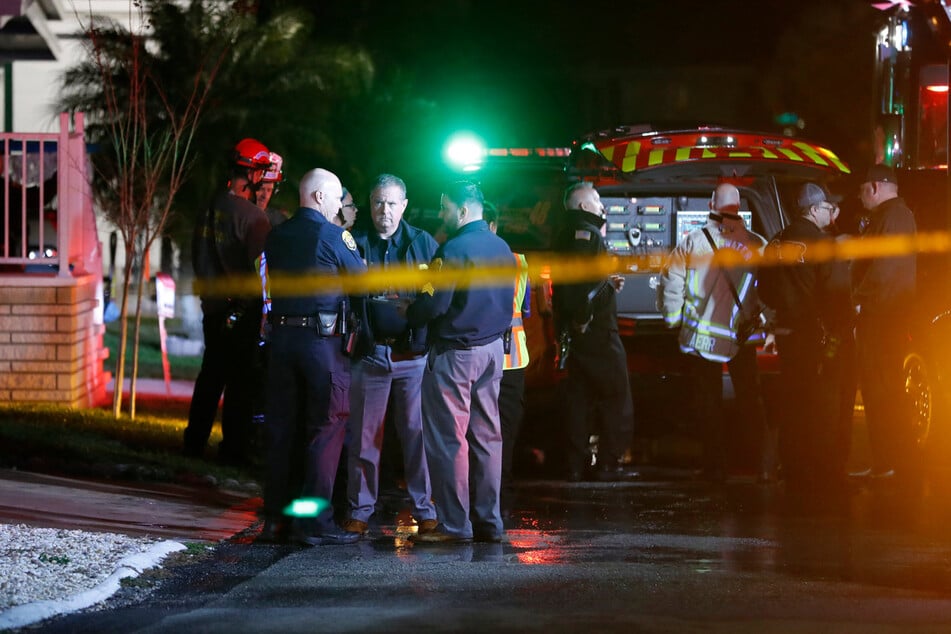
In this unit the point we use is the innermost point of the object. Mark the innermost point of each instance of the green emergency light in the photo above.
(465, 151)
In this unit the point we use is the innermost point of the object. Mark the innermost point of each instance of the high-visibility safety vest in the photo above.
(518, 352)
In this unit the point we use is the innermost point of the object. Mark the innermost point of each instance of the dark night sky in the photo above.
(541, 72)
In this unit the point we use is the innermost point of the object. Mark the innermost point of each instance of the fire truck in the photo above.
(655, 185)
(912, 56)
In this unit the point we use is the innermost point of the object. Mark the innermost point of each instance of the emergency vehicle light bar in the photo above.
(522, 152)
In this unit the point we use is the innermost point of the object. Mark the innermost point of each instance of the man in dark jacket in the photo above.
(813, 327)
(388, 372)
(461, 425)
(597, 363)
(883, 294)
(228, 242)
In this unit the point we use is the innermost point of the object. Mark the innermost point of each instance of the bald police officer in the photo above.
(309, 376)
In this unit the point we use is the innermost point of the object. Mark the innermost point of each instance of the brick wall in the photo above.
(51, 347)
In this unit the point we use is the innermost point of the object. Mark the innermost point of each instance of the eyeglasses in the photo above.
(350, 206)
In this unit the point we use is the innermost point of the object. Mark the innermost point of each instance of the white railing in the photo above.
(46, 201)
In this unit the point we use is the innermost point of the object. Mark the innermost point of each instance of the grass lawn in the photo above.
(91, 443)
(150, 351)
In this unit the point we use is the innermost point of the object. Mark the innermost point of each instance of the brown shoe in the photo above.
(355, 526)
(438, 537)
(426, 526)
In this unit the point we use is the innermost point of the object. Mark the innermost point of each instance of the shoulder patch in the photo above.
(582, 234)
(348, 240)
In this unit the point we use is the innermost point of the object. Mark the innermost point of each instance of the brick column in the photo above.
(51, 349)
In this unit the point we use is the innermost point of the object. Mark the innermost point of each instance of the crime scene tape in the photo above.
(567, 269)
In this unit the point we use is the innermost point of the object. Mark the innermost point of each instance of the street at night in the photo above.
(664, 554)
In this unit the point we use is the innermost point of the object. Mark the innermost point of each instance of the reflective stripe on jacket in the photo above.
(694, 294)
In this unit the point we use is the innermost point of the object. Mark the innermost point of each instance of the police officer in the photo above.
(228, 240)
(720, 319)
(389, 372)
(461, 380)
(597, 363)
(308, 374)
(883, 293)
(811, 301)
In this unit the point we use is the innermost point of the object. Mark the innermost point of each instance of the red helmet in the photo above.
(274, 173)
(251, 153)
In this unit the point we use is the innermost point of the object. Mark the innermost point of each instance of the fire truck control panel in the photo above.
(649, 227)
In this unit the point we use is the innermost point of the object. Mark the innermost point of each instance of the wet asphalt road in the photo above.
(665, 554)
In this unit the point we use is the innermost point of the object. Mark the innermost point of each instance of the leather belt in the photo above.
(296, 321)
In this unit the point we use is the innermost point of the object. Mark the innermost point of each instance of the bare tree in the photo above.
(149, 140)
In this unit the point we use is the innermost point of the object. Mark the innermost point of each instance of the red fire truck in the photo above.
(912, 52)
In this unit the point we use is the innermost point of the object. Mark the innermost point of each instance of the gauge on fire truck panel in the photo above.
(650, 210)
(617, 209)
(617, 226)
(653, 226)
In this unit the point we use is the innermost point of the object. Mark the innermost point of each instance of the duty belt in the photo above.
(296, 321)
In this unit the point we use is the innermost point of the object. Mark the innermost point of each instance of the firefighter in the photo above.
(720, 320)
(597, 363)
(228, 242)
(270, 185)
(813, 326)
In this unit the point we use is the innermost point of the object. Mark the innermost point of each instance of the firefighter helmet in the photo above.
(251, 153)
(274, 173)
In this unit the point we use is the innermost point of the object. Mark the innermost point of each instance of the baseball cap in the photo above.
(812, 194)
(880, 173)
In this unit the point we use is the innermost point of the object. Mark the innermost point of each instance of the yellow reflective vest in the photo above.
(518, 353)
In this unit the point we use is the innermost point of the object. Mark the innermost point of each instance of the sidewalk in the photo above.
(161, 510)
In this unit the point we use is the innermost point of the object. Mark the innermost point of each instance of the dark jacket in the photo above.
(886, 285)
(581, 237)
(806, 294)
(408, 246)
(467, 317)
(227, 241)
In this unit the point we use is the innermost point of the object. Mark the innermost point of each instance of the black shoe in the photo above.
(486, 537)
(331, 537)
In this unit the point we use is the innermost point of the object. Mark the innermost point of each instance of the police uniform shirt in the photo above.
(583, 238)
(466, 317)
(307, 243)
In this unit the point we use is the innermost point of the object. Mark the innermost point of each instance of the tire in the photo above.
(920, 394)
